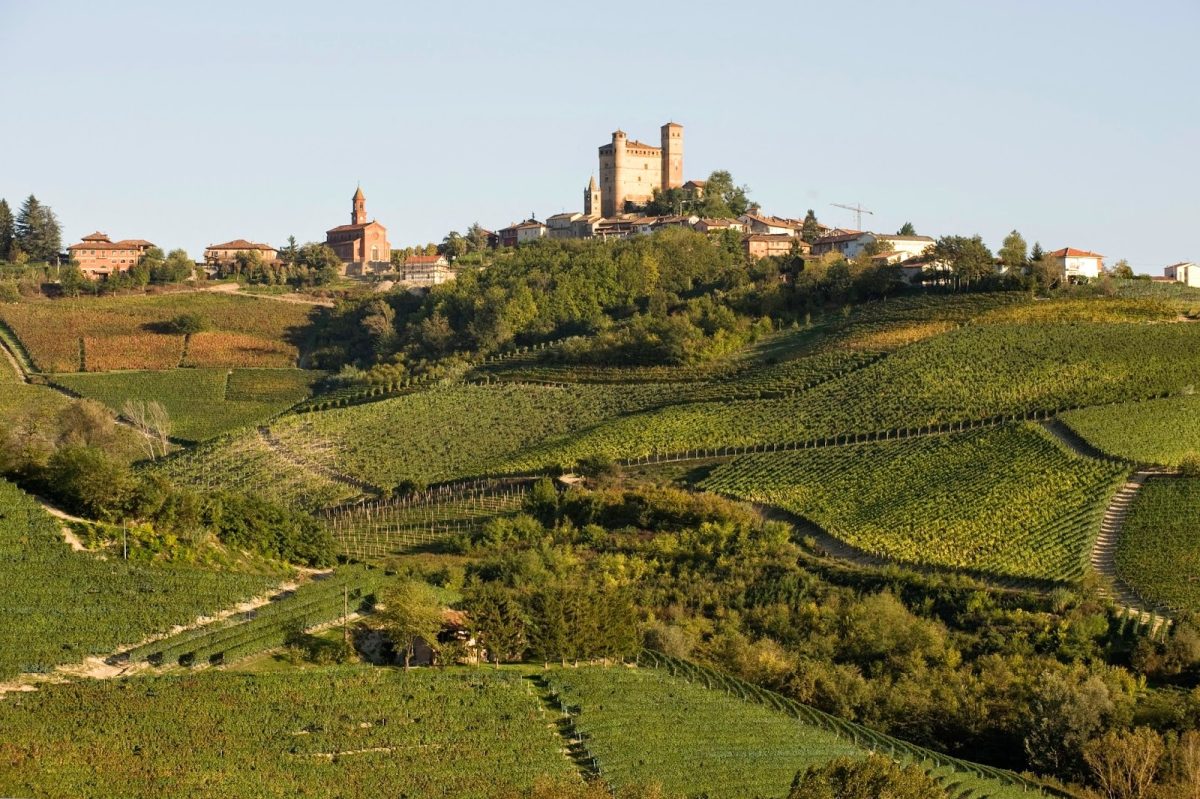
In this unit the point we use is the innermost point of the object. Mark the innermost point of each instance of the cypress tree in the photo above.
(7, 231)
(37, 231)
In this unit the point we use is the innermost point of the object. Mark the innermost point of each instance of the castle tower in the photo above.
(359, 215)
(591, 199)
(612, 185)
(672, 156)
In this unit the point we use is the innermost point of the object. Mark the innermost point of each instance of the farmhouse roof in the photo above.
(424, 259)
(240, 244)
(836, 238)
(97, 236)
(1071, 252)
(898, 237)
(101, 245)
(136, 242)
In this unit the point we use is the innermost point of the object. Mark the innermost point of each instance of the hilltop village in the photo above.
(641, 190)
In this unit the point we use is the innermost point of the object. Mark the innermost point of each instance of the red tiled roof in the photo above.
(102, 245)
(1071, 252)
(97, 236)
(423, 259)
(838, 238)
(239, 244)
(136, 242)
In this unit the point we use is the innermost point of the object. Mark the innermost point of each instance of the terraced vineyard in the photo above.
(1158, 431)
(700, 733)
(246, 463)
(395, 527)
(202, 403)
(60, 606)
(352, 732)
(349, 589)
(1007, 501)
(1158, 553)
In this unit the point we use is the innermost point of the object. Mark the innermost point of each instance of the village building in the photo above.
(719, 225)
(225, 255)
(1184, 272)
(771, 225)
(562, 226)
(631, 170)
(1077, 264)
(426, 270)
(99, 256)
(837, 241)
(522, 233)
(763, 245)
(892, 248)
(361, 245)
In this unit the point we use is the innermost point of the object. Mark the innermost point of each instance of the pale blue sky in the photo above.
(192, 123)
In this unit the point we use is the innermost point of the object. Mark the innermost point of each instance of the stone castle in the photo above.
(630, 171)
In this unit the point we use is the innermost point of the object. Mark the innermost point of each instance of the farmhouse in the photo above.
(763, 245)
(1184, 272)
(1076, 264)
(522, 232)
(99, 256)
(224, 255)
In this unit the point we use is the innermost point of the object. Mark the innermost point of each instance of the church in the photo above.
(362, 245)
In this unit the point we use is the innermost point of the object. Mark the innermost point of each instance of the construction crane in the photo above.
(858, 212)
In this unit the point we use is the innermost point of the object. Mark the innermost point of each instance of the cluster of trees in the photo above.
(721, 198)
(549, 290)
(306, 265)
(1039, 682)
(32, 235)
(80, 457)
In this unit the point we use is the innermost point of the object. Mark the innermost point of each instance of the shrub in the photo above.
(187, 324)
(1189, 464)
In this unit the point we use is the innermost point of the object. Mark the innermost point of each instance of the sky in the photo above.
(1076, 122)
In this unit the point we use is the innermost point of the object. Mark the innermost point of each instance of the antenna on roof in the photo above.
(858, 212)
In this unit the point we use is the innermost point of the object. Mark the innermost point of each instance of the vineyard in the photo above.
(60, 606)
(396, 527)
(351, 732)
(1088, 309)
(702, 733)
(245, 463)
(202, 403)
(974, 372)
(350, 589)
(1158, 553)
(1005, 501)
(451, 431)
(107, 333)
(1158, 431)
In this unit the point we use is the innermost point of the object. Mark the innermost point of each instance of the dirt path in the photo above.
(1104, 551)
(277, 446)
(236, 288)
(60, 514)
(104, 667)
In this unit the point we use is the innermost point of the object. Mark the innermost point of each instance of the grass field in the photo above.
(1158, 552)
(1157, 431)
(202, 403)
(107, 333)
(60, 606)
(346, 732)
(1007, 501)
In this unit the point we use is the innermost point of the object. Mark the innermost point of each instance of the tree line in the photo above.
(32, 235)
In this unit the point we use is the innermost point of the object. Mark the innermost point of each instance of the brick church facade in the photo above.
(362, 245)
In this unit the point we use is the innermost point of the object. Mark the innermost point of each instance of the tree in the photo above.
(1012, 252)
(477, 238)
(907, 229)
(289, 252)
(187, 324)
(968, 258)
(453, 246)
(1124, 764)
(37, 232)
(322, 262)
(71, 279)
(177, 268)
(1037, 253)
(151, 420)
(498, 619)
(7, 231)
(873, 777)
(409, 610)
(811, 231)
(89, 481)
(722, 198)
(1122, 270)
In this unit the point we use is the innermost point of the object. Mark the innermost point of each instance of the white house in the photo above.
(1184, 272)
(850, 243)
(1075, 264)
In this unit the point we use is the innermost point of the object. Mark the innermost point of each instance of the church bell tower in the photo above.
(359, 215)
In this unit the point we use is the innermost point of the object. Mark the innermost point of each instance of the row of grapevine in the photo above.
(1158, 552)
(314, 603)
(860, 736)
